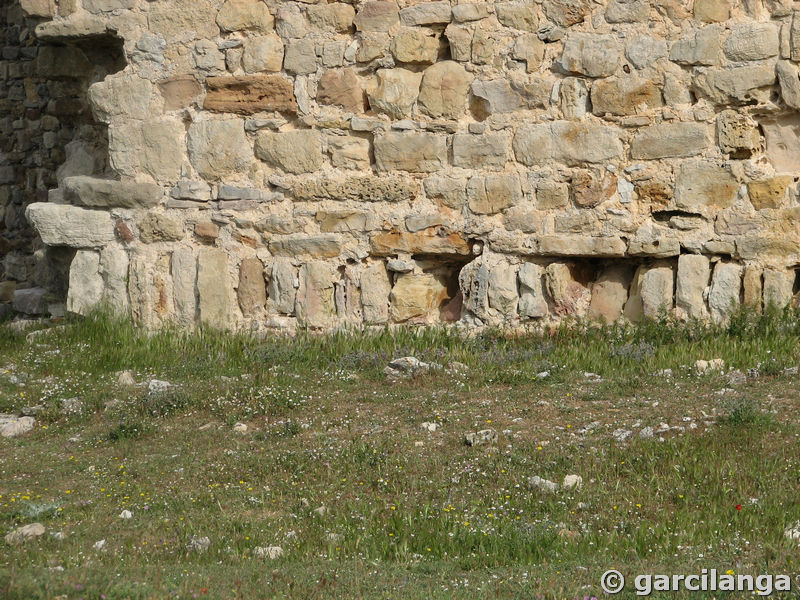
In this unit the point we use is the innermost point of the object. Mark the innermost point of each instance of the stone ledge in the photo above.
(65, 225)
(93, 192)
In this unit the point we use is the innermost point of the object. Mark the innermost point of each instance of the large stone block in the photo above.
(568, 142)
(752, 41)
(394, 92)
(315, 305)
(713, 11)
(724, 296)
(487, 151)
(627, 11)
(778, 288)
(94, 192)
(698, 47)
(417, 296)
(444, 88)
(581, 245)
(670, 140)
(426, 13)
(392, 243)
(336, 16)
(740, 85)
(297, 151)
(155, 147)
(532, 302)
(414, 152)
(567, 290)
(591, 54)
(377, 16)
(701, 184)
(251, 94)
(567, 12)
(121, 95)
(183, 267)
(283, 285)
(625, 96)
(252, 290)
(737, 134)
(341, 87)
(85, 291)
(65, 225)
(262, 53)
(238, 15)
(493, 193)
(213, 291)
(316, 246)
(415, 46)
(518, 15)
(375, 290)
(218, 148)
(610, 293)
(694, 276)
(361, 188)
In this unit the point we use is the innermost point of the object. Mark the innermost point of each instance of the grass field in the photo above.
(681, 472)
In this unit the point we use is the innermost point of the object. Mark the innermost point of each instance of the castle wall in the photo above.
(275, 164)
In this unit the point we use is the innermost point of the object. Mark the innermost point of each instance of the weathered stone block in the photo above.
(610, 293)
(238, 15)
(532, 302)
(262, 53)
(218, 148)
(297, 151)
(183, 267)
(394, 92)
(449, 191)
(315, 246)
(700, 184)
(213, 292)
(591, 54)
(377, 16)
(342, 221)
(741, 85)
(518, 15)
(567, 12)
(712, 11)
(769, 193)
(341, 87)
(694, 276)
(121, 95)
(283, 285)
(493, 193)
(86, 285)
(300, 57)
(444, 88)
(778, 288)
(670, 140)
(625, 96)
(752, 41)
(590, 189)
(315, 306)
(737, 134)
(155, 147)
(65, 225)
(179, 92)
(248, 95)
(414, 152)
(159, 227)
(252, 290)
(699, 47)
(581, 245)
(107, 193)
(375, 290)
(336, 16)
(415, 46)
(362, 188)
(426, 13)
(349, 152)
(391, 243)
(568, 142)
(627, 11)
(725, 293)
(487, 151)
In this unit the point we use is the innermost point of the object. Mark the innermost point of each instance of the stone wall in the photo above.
(274, 164)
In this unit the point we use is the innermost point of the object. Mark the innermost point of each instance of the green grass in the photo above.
(336, 469)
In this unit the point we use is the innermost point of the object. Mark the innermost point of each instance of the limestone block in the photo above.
(530, 48)
(627, 11)
(336, 16)
(567, 12)
(532, 302)
(737, 134)
(159, 227)
(315, 246)
(361, 188)
(769, 193)
(752, 41)
(449, 191)
(65, 225)
(794, 36)
(341, 87)
(252, 290)
(349, 152)
(574, 98)
(424, 242)
(789, 79)
(694, 276)
(670, 140)
(262, 53)
(503, 293)
(248, 95)
(610, 293)
(426, 13)
(394, 92)
(778, 288)
(300, 57)
(415, 46)
(753, 287)
(473, 281)
(413, 152)
(551, 194)
(417, 296)
(38, 8)
(283, 286)
(94, 192)
(591, 55)
(725, 293)
(569, 295)
(101, 6)
(213, 294)
(568, 142)
(493, 193)
(207, 56)
(121, 95)
(155, 147)
(375, 291)
(178, 92)
(590, 189)
(654, 240)
(470, 11)
(342, 220)
(460, 41)
(782, 142)
(625, 96)
(315, 305)
(494, 96)
(444, 88)
(297, 151)
(698, 47)
(581, 245)
(712, 11)
(377, 16)
(518, 15)
(656, 290)
(183, 267)
(642, 50)
(741, 85)
(218, 148)
(85, 290)
(238, 15)
(487, 151)
(700, 184)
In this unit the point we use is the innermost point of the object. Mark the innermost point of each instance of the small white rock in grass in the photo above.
(22, 534)
(736, 377)
(198, 544)
(99, 545)
(572, 482)
(333, 538)
(793, 532)
(156, 386)
(456, 368)
(58, 535)
(71, 406)
(484, 437)
(622, 435)
(240, 428)
(13, 426)
(647, 433)
(125, 378)
(705, 366)
(432, 427)
(321, 511)
(126, 514)
(419, 444)
(545, 485)
(270, 552)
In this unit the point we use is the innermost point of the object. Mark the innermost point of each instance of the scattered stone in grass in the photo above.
(32, 411)
(71, 406)
(419, 444)
(545, 485)
(58, 535)
(622, 435)
(647, 433)
(572, 482)
(592, 377)
(156, 387)
(270, 552)
(13, 426)
(20, 535)
(207, 426)
(707, 366)
(74, 439)
(456, 368)
(543, 375)
(662, 428)
(793, 532)
(484, 437)
(664, 373)
(754, 373)
(126, 514)
(791, 370)
(736, 377)
(112, 405)
(333, 538)
(240, 428)
(198, 544)
(407, 367)
(321, 511)
(125, 378)
(432, 427)
(582, 506)
(35, 335)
